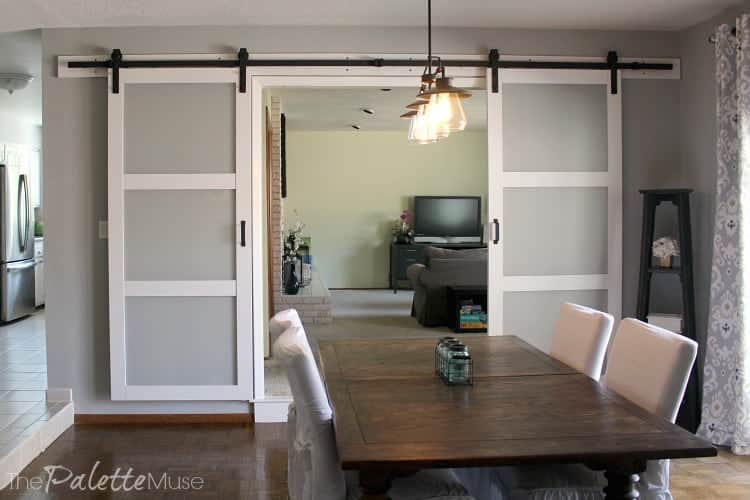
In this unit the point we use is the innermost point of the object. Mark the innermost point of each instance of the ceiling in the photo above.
(22, 53)
(340, 108)
(545, 14)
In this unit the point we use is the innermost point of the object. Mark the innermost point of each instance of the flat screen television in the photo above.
(447, 219)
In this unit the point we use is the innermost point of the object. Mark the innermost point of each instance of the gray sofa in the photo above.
(444, 268)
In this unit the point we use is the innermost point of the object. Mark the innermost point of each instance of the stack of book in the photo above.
(471, 316)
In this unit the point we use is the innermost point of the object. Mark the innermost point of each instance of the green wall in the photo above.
(349, 186)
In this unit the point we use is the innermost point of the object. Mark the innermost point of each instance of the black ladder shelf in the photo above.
(688, 416)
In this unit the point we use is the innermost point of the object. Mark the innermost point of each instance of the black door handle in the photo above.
(496, 225)
(242, 232)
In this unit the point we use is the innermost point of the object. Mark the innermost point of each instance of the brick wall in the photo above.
(314, 303)
(277, 206)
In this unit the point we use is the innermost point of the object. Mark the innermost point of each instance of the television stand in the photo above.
(404, 255)
(454, 246)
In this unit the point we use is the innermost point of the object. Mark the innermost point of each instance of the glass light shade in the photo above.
(447, 112)
(423, 130)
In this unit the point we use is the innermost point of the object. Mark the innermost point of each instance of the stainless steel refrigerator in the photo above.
(16, 244)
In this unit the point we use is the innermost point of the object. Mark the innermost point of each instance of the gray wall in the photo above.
(75, 136)
(651, 159)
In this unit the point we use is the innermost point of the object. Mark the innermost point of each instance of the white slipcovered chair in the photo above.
(282, 321)
(650, 367)
(279, 323)
(581, 338)
(318, 474)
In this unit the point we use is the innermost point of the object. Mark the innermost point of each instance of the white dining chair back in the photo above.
(316, 469)
(581, 338)
(281, 321)
(650, 366)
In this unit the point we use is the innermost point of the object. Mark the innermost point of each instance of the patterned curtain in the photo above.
(726, 385)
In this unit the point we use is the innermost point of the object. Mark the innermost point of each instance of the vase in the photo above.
(665, 261)
(291, 285)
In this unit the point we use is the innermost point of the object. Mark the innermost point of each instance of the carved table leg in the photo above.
(622, 480)
(375, 484)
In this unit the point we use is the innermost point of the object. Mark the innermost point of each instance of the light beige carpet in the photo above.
(371, 314)
(358, 314)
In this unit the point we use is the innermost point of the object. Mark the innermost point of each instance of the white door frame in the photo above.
(260, 78)
(119, 288)
(499, 180)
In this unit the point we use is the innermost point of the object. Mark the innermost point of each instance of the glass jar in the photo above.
(460, 369)
(454, 349)
(443, 354)
(438, 351)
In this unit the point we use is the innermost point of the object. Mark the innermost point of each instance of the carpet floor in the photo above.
(371, 314)
(360, 314)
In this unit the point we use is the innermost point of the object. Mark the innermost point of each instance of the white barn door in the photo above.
(179, 237)
(555, 162)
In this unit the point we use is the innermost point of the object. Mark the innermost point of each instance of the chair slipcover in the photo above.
(649, 366)
(276, 326)
(581, 338)
(281, 321)
(317, 473)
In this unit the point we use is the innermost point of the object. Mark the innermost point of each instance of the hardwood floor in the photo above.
(235, 461)
(726, 477)
(249, 462)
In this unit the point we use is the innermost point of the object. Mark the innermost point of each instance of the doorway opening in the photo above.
(342, 168)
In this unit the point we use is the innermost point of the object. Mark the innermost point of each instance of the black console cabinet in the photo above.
(404, 255)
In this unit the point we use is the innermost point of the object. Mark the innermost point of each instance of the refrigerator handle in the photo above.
(20, 266)
(21, 229)
(28, 209)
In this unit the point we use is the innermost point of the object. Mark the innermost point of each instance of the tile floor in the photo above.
(25, 413)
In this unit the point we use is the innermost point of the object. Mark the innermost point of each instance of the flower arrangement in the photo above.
(665, 249)
(402, 230)
(293, 240)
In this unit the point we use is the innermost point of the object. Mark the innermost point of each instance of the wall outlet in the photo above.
(103, 230)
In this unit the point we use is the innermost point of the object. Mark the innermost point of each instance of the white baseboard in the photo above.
(270, 411)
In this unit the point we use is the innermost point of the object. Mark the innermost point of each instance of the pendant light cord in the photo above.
(429, 35)
(430, 59)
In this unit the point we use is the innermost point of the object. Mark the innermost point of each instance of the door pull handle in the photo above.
(496, 226)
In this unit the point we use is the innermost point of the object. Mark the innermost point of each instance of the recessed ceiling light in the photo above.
(368, 111)
(386, 90)
(356, 127)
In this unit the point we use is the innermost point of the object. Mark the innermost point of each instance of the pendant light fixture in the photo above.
(437, 110)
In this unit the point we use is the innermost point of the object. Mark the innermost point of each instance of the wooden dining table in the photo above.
(393, 415)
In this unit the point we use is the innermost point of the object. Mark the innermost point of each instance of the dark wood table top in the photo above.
(524, 408)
